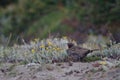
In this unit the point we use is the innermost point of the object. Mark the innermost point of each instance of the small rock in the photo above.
(69, 73)
(49, 67)
(96, 65)
(58, 64)
(70, 63)
(34, 77)
(76, 71)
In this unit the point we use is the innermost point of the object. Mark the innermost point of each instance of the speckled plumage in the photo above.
(77, 53)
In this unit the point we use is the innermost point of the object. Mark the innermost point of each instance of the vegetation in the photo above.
(31, 39)
(27, 19)
(39, 18)
(51, 50)
(44, 51)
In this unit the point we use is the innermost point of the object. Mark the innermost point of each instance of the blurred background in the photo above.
(77, 19)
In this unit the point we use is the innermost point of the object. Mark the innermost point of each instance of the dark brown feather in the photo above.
(77, 53)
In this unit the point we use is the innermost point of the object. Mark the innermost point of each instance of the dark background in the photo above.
(77, 19)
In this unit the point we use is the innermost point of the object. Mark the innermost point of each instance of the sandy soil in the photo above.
(59, 71)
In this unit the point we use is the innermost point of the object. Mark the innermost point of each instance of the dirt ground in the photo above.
(60, 71)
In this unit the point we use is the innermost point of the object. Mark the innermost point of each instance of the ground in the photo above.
(60, 71)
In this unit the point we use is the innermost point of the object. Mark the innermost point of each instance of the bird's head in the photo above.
(70, 45)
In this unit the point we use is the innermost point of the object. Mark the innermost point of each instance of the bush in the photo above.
(28, 17)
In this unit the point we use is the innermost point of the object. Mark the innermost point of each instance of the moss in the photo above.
(91, 58)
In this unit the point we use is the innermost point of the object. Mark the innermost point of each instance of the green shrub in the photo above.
(28, 16)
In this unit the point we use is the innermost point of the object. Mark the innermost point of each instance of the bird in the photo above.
(77, 53)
